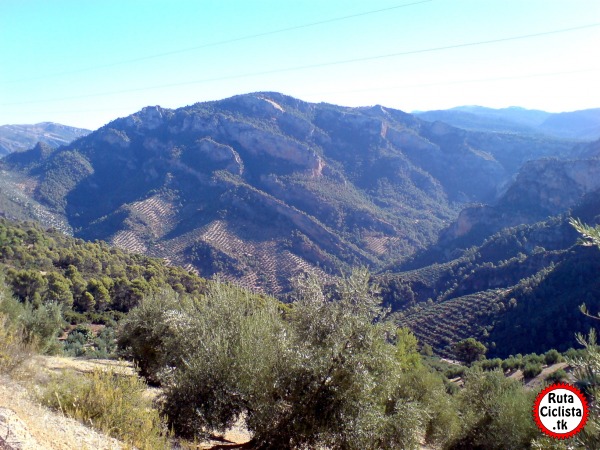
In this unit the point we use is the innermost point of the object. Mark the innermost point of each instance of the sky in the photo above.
(86, 62)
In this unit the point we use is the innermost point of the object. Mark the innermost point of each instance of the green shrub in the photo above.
(491, 364)
(144, 334)
(39, 325)
(469, 350)
(495, 413)
(512, 363)
(81, 342)
(24, 329)
(552, 357)
(451, 387)
(13, 351)
(532, 370)
(573, 354)
(557, 376)
(533, 358)
(454, 371)
(12, 348)
(330, 373)
(587, 374)
(112, 403)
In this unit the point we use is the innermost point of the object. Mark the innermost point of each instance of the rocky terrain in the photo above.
(542, 188)
(26, 425)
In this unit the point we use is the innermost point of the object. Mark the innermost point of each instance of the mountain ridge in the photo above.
(519, 291)
(14, 138)
(259, 187)
(581, 125)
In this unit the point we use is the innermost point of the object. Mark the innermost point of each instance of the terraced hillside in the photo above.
(259, 187)
(16, 202)
(518, 292)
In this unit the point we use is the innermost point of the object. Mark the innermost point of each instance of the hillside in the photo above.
(25, 425)
(260, 187)
(581, 125)
(15, 138)
(518, 292)
(89, 280)
(541, 188)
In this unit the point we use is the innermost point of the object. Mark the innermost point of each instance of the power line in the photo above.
(386, 88)
(313, 66)
(445, 83)
(218, 43)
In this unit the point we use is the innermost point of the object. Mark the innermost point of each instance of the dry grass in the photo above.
(109, 402)
(35, 427)
(13, 351)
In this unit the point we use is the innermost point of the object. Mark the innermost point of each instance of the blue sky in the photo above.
(86, 62)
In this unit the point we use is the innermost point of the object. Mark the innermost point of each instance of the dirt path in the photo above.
(537, 381)
(24, 425)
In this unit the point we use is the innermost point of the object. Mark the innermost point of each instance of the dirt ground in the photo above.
(26, 425)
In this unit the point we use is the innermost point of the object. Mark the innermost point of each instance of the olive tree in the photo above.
(469, 350)
(326, 371)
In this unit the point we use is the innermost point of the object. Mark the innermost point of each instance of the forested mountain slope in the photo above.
(46, 266)
(542, 188)
(518, 292)
(259, 187)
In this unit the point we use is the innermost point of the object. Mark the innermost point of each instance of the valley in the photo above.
(466, 231)
(261, 187)
(210, 241)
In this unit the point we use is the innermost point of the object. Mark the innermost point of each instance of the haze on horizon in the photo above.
(86, 63)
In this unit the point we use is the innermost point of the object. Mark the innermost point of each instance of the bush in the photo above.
(572, 354)
(533, 358)
(13, 351)
(552, 357)
(510, 363)
(454, 371)
(112, 403)
(491, 364)
(587, 375)
(144, 334)
(556, 376)
(81, 342)
(495, 413)
(469, 350)
(38, 326)
(532, 370)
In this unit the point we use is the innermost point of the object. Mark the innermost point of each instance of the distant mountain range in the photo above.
(465, 230)
(583, 125)
(14, 138)
(259, 187)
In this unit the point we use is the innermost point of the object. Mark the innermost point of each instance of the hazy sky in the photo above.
(86, 62)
